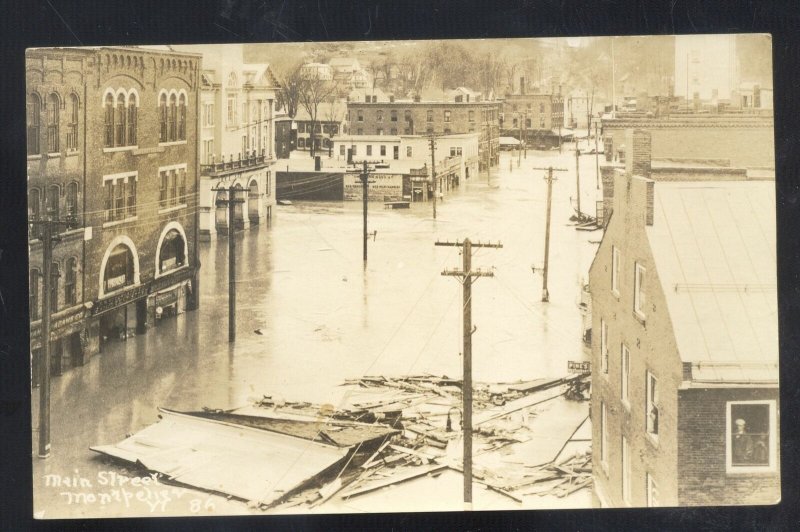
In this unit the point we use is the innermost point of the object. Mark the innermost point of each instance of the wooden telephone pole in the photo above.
(596, 157)
(49, 238)
(364, 177)
(549, 178)
(578, 178)
(231, 200)
(432, 140)
(466, 275)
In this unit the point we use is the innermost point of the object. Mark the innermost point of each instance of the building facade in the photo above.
(330, 121)
(237, 138)
(685, 343)
(119, 160)
(431, 117)
(536, 118)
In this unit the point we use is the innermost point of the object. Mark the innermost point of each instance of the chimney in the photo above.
(637, 153)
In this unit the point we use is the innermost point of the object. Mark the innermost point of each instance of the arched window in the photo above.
(182, 118)
(71, 282)
(34, 211)
(173, 117)
(120, 119)
(72, 128)
(71, 204)
(33, 295)
(53, 195)
(132, 116)
(34, 109)
(172, 254)
(162, 107)
(52, 123)
(119, 269)
(108, 106)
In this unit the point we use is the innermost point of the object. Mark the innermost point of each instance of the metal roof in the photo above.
(714, 249)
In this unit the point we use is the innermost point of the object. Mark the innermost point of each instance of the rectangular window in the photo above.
(380, 131)
(369, 149)
(383, 149)
(626, 471)
(354, 150)
(541, 122)
(380, 116)
(604, 347)
(528, 123)
(625, 355)
(751, 444)
(603, 437)
(231, 110)
(396, 152)
(429, 116)
(162, 195)
(360, 115)
(615, 269)
(182, 185)
(394, 116)
(172, 188)
(447, 116)
(360, 131)
(638, 290)
(130, 207)
(652, 491)
(472, 116)
(652, 406)
(70, 282)
(341, 150)
(408, 151)
(120, 197)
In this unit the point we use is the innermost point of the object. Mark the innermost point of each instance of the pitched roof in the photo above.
(714, 249)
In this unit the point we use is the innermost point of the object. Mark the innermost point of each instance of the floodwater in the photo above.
(310, 314)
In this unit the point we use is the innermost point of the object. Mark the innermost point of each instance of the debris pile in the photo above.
(529, 439)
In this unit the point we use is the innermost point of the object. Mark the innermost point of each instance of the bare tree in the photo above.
(291, 85)
(315, 90)
(332, 114)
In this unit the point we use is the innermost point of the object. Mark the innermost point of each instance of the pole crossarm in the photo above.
(474, 244)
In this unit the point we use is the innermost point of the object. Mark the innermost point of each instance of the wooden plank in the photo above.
(413, 452)
(394, 480)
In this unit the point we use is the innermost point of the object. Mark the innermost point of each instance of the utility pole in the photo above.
(549, 178)
(596, 157)
(466, 275)
(521, 142)
(231, 201)
(364, 177)
(432, 140)
(578, 177)
(48, 239)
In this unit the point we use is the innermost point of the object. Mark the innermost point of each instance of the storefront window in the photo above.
(119, 269)
(172, 252)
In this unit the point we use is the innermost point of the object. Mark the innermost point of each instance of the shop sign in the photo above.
(579, 367)
(118, 300)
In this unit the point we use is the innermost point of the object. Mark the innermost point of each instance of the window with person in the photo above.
(751, 435)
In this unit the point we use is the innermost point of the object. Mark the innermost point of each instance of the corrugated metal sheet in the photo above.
(714, 249)
(252, 464)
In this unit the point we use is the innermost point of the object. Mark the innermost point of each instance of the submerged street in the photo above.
(309, 315)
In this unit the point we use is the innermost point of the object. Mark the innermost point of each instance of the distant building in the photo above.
(349, 73)
(685, 403)
(404, 117)
(538, 119)
(237, 134)
(743, 140)
(705, 66)
(317, 71)
(330, 121)
(112, 146)
(751, 95)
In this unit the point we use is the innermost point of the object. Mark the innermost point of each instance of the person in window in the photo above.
(742, 443)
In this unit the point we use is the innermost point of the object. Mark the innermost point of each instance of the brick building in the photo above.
(118, 157)
(744, 140)
(330, 121)
(403, 117)
(536, 118)
(237, 137)
(685, 354)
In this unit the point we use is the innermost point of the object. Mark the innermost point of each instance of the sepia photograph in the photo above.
(402, 276)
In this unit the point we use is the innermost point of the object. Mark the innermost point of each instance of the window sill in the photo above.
(72, 153)
(35, 157)
(170, 272)
(640, 318)
(171, 209)
(120, 148)
(750, 470)
(53, 155)
(120, 222)
(172, 143)
(653, 439)
(615, 293)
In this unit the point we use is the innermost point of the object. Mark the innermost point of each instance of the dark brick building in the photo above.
(401, 117)
(536, 118)
(685, 402)
(112, 145)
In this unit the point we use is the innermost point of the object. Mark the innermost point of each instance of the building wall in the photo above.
(545, 111)
(363, 120)
(745, 142)
(701, 450)
(652, 347)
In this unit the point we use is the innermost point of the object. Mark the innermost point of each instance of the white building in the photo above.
(705, 65)
(237, 137)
